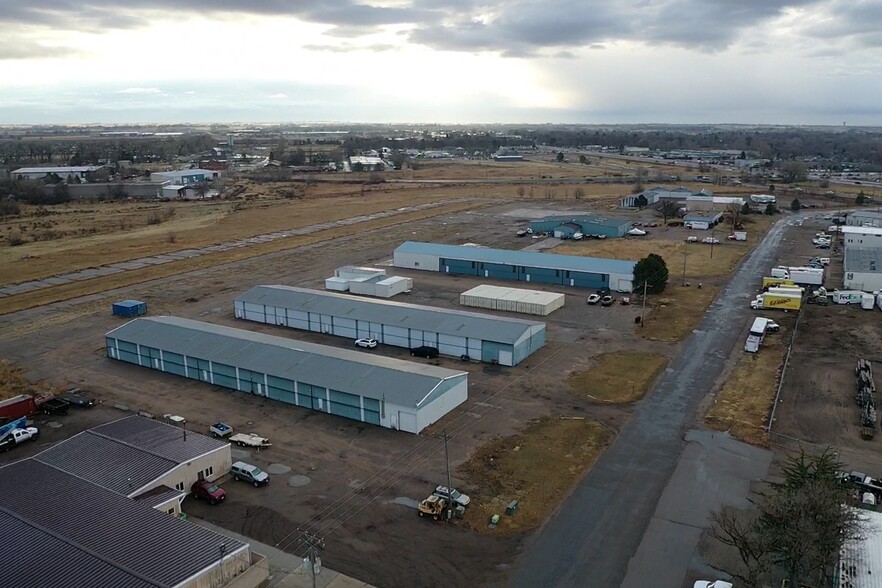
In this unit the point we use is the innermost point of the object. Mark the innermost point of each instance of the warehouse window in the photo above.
(171, 511)
(208, 471)
(416, 264)
(179, 486)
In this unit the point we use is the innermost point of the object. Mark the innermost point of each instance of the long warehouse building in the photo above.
(492, 339)
(523, 266)
(391, 393)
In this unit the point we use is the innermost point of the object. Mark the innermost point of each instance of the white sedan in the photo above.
(711, 241)
(367, 342)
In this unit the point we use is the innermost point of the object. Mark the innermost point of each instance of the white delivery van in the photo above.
(779, 272)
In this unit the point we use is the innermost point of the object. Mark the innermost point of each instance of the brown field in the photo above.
(745, 399)
(671, 316)
(13, 382)
(85, 287)
(537, 467)
(618, 377)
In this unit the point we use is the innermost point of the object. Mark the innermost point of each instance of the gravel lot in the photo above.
(354, 482)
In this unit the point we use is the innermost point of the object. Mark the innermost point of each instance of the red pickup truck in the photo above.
(208, 491)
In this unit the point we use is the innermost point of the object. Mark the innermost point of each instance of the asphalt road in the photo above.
(596, 532)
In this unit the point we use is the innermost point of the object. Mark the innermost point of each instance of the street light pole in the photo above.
(713, 232)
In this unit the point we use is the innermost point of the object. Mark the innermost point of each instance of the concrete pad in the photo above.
(298, 480)
(57, 281)
(714, 470)
(277, 468)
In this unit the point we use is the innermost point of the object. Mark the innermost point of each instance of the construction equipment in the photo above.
(433, 506)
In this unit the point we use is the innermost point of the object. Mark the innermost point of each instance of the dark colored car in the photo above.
(205, 490)
(425, 351)
(77, 398)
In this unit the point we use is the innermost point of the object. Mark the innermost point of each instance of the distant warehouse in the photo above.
(588, 224)
(493, 339)
(524, 266)
(391, 393)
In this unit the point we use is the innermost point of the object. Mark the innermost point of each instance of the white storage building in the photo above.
(861, 237)
(369, 388)
(493, 339)
(862, 269)
(367, 281)
(512, 299)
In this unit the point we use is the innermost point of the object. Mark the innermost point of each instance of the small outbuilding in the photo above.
(702, 221)
(512, 299)
(370, 388)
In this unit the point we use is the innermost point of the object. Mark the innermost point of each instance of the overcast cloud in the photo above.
(577, 58)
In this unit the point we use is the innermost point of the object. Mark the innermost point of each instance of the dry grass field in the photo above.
(14, 382)
(618, 378)
(537, 467)
(743, 403)
(673, 315)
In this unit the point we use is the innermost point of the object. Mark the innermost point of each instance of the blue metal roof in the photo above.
(521, 258)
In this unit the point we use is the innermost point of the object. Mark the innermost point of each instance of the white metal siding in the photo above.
(396, 336)
(297, 319)
(416, 261)
(345, 327)
(450, 345)
(435, 410)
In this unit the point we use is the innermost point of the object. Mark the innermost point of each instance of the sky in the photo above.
(452, 61)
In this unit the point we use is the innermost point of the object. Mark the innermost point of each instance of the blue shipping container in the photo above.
(129, 308)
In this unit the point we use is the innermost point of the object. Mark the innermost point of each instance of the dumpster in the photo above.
(129, 308)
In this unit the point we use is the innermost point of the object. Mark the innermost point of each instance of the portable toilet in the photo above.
(129, 308)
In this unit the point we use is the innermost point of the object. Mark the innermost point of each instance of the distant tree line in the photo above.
(60, 151)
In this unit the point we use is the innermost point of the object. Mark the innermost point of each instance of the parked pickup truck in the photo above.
(250, 440)
(18, 436)
(54, 406)
(221, 430)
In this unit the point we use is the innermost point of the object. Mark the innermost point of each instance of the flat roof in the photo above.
(58, 170)
(866, 213)
(406, 383)
(521, 258)
(78, 534)
(853, 230)
(519, 294)
(446, 321)
(864, 260)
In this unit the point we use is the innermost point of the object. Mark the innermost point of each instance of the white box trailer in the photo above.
(867, 301)
(813, 276)
(756, 335)
(784, 289)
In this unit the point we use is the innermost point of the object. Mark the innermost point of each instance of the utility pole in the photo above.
(685, 249)
(643, 310)
(446, 437)
(713, 231)
(314, 544)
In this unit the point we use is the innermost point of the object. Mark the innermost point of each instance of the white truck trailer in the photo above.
(756, 335)
(812, 276)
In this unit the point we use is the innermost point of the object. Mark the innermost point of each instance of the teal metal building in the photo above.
(589, 224)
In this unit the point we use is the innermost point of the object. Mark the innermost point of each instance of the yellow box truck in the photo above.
(777, 302)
